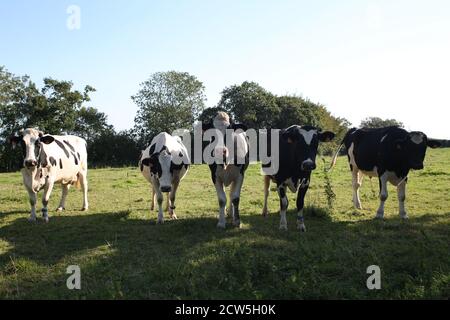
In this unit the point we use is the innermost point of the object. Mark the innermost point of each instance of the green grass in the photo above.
(123, 254)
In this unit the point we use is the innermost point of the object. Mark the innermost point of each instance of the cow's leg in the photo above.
(33, 200)
(230, 209)
(152, 206)
(401, 193)
(356, 182)
(84, 188)
(173, 193)
(45, 198)
(284, 203)
(167, 201)
(235, 199)
(383, 195)
(265, 211)
(222, 197)
(62, 203)
(159, 200)
(300, 205)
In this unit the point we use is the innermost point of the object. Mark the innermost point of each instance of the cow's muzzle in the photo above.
(166, 189)
(30, 163)
(308, 165)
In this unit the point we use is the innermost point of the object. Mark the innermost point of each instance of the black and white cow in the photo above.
(387, 153)
(50, 159)
(230, 170)
(297, 159)
(164, 164)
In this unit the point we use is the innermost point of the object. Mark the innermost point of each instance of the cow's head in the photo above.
(304, 142)
(29, 139)
(413, 148)
(162, 165)
(222, 122)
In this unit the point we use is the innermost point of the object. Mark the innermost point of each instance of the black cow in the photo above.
(387, 153)
(231, 167)
(297, 159)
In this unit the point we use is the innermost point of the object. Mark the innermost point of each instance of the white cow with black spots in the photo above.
(229, 163)
(164, 164)
(50, 160)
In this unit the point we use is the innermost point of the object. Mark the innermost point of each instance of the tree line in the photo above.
(166, 101)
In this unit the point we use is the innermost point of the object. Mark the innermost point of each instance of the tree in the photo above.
(295, 111)
(337, 125)
(58, 106)
(91, 124)
(251, 104)
(300, 111)
(376, 122)
(111, 149)
(257, 108)
(168, 101)
(16, 96)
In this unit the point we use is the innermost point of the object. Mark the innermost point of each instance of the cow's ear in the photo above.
(239, 126)
(47, 139)
(326, 136)
(290, 135)
(433, 143)
(152, 149)
(146, 162)
(41, 134)
(13, 140)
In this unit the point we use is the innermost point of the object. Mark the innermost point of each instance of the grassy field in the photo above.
(123, 254)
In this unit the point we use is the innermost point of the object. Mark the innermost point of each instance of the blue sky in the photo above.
(359, 58)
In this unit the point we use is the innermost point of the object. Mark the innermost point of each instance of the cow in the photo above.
(50, 160)
(297, 159)
(164, 164)
(389, 154)
(230, 168)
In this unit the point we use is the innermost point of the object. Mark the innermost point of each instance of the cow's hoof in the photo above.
(301, 227)
(174, 217)
(160, 221)
(60, 209)
(85, 209)
(404, 216)
(283, 227)
(32, 219)
(237, 223)
(379, 216)
(221, 225)
(359, 207)
(265, 213)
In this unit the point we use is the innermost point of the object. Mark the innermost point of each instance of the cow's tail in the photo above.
(335, 157)
(343, 143)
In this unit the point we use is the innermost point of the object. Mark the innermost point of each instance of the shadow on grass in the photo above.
(123, 257)
(12, 212)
